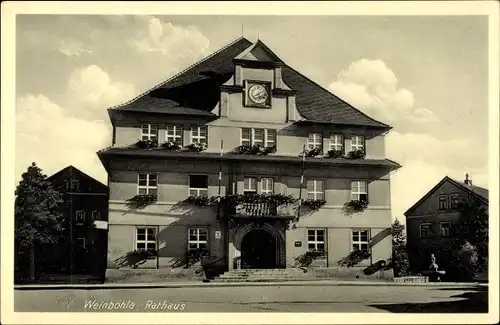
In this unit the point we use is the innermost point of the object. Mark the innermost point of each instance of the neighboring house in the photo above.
(244, 95)
(431, 222)
(85, 202)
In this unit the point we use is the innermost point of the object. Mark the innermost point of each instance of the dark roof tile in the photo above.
(314, 102)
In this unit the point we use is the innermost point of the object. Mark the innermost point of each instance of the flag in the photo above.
(301, 179)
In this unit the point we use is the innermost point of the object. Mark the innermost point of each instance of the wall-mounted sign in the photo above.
(218, 234)
(298, 243)
(99, 224)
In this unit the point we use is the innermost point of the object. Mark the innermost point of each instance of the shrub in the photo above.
(464, 262)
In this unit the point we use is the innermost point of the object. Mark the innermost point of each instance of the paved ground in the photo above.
(259, 299)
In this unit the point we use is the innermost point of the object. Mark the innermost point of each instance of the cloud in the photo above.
(426, 160)
(372, 87)
(73, 47)
(44, 134)
(417, 177)
(92, 88)
(169, 40)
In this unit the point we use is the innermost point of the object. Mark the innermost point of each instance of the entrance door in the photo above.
(258, 250)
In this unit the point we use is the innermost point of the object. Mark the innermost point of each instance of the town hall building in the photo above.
(245, 158)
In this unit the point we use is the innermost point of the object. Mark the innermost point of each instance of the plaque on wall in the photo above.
(298, 243)
(218, 234)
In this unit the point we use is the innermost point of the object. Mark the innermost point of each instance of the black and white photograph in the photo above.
(246, 160)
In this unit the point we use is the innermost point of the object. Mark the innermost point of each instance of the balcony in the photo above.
(259, 209)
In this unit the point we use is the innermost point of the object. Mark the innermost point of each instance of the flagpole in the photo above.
(301, 180)
(220, 176)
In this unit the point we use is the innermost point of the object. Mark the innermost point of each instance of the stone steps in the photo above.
(261, 275)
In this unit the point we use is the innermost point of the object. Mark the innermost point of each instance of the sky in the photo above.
(427, 76)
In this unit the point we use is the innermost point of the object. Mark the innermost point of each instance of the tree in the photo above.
(400, 261)
(473, 228)
(37, 216)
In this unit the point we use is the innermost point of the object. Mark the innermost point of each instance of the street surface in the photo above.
(258, 299)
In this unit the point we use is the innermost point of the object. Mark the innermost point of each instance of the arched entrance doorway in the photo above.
(258, 250)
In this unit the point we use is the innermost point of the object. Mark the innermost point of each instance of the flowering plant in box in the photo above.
(314, 204)
(147, 144)
(171, 145)
(334, 153)
(357, 154)
(314, 152)
(198, 147)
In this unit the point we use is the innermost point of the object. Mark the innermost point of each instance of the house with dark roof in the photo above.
(431, 222)
(85, 206)
(245, 158)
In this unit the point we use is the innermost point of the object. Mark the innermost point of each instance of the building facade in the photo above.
(242, 126)
(432, 221)
(85, 204)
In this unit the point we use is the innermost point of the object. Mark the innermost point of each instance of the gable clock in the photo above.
(258, 94)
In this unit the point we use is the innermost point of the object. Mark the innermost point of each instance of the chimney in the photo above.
(467, 180)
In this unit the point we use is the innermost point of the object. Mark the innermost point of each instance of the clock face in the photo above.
(258, 94)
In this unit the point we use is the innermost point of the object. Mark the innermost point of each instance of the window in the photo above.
(80, 216)
(249, 185)
(425, 230)
(454, 198)
(445, 227)
(198, 238)
(336, 142)
(266, 185)
(95, 215)
(263, 137)
(358, 191)
(198, 185)
(80, 242)
(357, 142)
(443, 202)
(199, 134)
(75, 185)
(174, 134)
(315, 189)
(315, 140)
(145, 239)
(360, 240)
(147, 184)
(316, 239)
(149, 132)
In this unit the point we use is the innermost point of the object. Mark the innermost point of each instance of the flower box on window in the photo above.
(142, 201)
(198, 147)
(256, 149)
(314, 152)
(171, 145)
(357, 205)
(357, 154)
(147, 144)
(200, 200)
(333, 153)
(314, 204)
(355, 257)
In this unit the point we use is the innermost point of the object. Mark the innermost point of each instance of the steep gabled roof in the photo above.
(314, 103)
(476, 191)
(72, 170)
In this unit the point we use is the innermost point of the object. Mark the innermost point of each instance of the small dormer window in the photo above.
(258, 94)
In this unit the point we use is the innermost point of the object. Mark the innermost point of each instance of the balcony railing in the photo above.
(257, 209)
